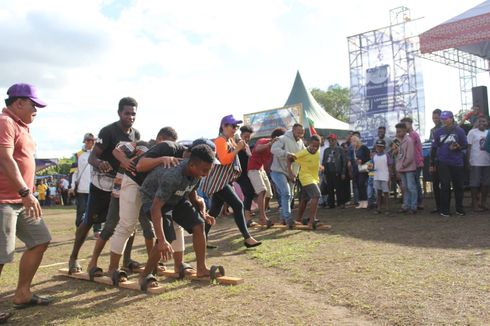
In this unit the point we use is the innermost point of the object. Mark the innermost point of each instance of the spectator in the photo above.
(243, 180)
(41, 192)
(334, 170)
(419, 159)
(436, 184)
(479, 162)
(447, 146)
(381, 164)
(361, 155)
(406, 166)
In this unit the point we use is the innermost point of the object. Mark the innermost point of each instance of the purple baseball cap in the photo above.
(230, 120)
(446, 115)
(26, 90)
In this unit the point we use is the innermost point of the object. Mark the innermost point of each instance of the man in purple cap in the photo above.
(20, 212)
(447, 148)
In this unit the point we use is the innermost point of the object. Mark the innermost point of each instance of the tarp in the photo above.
(45, 163)
(313, 111)
(468, 32)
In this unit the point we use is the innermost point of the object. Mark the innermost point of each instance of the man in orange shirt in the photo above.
(20, 212)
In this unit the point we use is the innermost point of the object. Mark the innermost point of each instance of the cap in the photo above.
(88, 136)
(380, 142)
(202, 141)
(230, 119)
(332, 136)
(446, 115)
(26, 90)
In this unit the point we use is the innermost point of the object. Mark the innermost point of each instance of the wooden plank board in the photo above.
(225, 280)
(321, 227)
(130, 285)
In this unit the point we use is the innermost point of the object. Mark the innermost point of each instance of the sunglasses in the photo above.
(233, 126)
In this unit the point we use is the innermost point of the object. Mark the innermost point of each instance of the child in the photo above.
(381, 163)
(174, 189)
(309, 161)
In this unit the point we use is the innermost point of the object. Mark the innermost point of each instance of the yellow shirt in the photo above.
(41, 190)
(310, 165)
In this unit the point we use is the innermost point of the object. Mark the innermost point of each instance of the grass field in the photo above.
(368, 270)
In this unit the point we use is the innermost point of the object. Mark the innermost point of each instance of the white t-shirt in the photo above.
(381, 171)
(479, 156)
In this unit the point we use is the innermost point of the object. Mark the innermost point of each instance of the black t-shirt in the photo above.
(109, 137)
(243, 158)
(165, 148)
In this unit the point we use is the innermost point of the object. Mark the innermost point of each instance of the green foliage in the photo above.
(335, 100)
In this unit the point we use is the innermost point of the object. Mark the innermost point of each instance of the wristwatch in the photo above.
(24, 192)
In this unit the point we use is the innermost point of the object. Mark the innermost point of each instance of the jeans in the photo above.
(371, 192)
(81, 200)
(451, 174)
(419, 186)
(283, 187)
(362, 180)
(409, 190)
(228, 195)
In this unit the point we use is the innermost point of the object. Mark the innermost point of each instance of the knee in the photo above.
(41, 248)
(199, 228)
(106, 233)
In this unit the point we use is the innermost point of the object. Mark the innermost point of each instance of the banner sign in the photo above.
(264, 122)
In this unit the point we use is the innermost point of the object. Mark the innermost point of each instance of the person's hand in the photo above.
(104, 166)
(169, 161)
(129, 165)
(241, 144)
(322, 168)
(71, 192)
(32, 207)
(454, 146)
(165, 249)
(208, 218)
(292, 177)
(291, 157)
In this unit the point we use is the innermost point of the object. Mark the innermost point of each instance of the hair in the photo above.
(202, 153)
(401, 125)
(315, 138)
(297, 125)
(10, 100)
(278, 132)
(407, 119)
(355, 139)
(437, 111)
(126, 101)
(356, 133)
(382, 127)
(246, 128)
(168, 132)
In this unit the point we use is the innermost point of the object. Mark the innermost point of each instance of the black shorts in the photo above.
(97, 206)
(184, 214)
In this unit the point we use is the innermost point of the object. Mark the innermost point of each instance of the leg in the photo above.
(216, 205)
(444, 178)
(28, 265)
(331, 189)
(379, 199)
(81, 207)
(420, 197)
(436, 187)
(261, 204)
(457, 178)
(301, 210)
(199, 244)
(412, 190)
(284, 189)
(313, 208)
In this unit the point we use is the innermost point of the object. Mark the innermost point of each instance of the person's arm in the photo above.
(199, 203)
(126, 162)
(278, 149)
(146, 164)
(265, 146)
(462, 139)
(156, 217)
(222, 153)
(11, 171)
(96, 162)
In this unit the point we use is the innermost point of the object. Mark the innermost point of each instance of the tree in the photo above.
(335, 100)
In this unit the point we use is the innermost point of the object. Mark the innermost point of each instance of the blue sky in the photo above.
(188, 63)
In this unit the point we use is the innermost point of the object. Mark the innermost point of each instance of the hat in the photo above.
(88, 136)
(202, 141)
(380, 142)
(332, 136)
(230, 120)
(26, 90)
(446, 115)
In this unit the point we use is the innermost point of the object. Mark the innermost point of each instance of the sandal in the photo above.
(95, 272)
(149, 279)
(35, 301)
(214, 269)
(184, 267)
(119, 276)
(74, 267)
(132, 266)
(4, 316)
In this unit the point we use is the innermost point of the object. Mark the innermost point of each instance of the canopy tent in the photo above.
(42, 164)
(468, 32)
(314, 114)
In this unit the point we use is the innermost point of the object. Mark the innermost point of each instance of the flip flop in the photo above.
(132, 265)
(117, 275)
(214, 269)
(147, 280)
(4, 316)
(35, 301)
(74, 267)
(95, 272)
(183, 267)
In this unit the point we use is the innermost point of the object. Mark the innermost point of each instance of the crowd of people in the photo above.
(165, 187)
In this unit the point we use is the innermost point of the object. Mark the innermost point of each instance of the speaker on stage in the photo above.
(480, 98)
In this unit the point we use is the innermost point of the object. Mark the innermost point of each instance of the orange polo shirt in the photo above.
(15, 134)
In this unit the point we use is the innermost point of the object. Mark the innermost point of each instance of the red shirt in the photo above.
(15, 134)
(260, 159)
